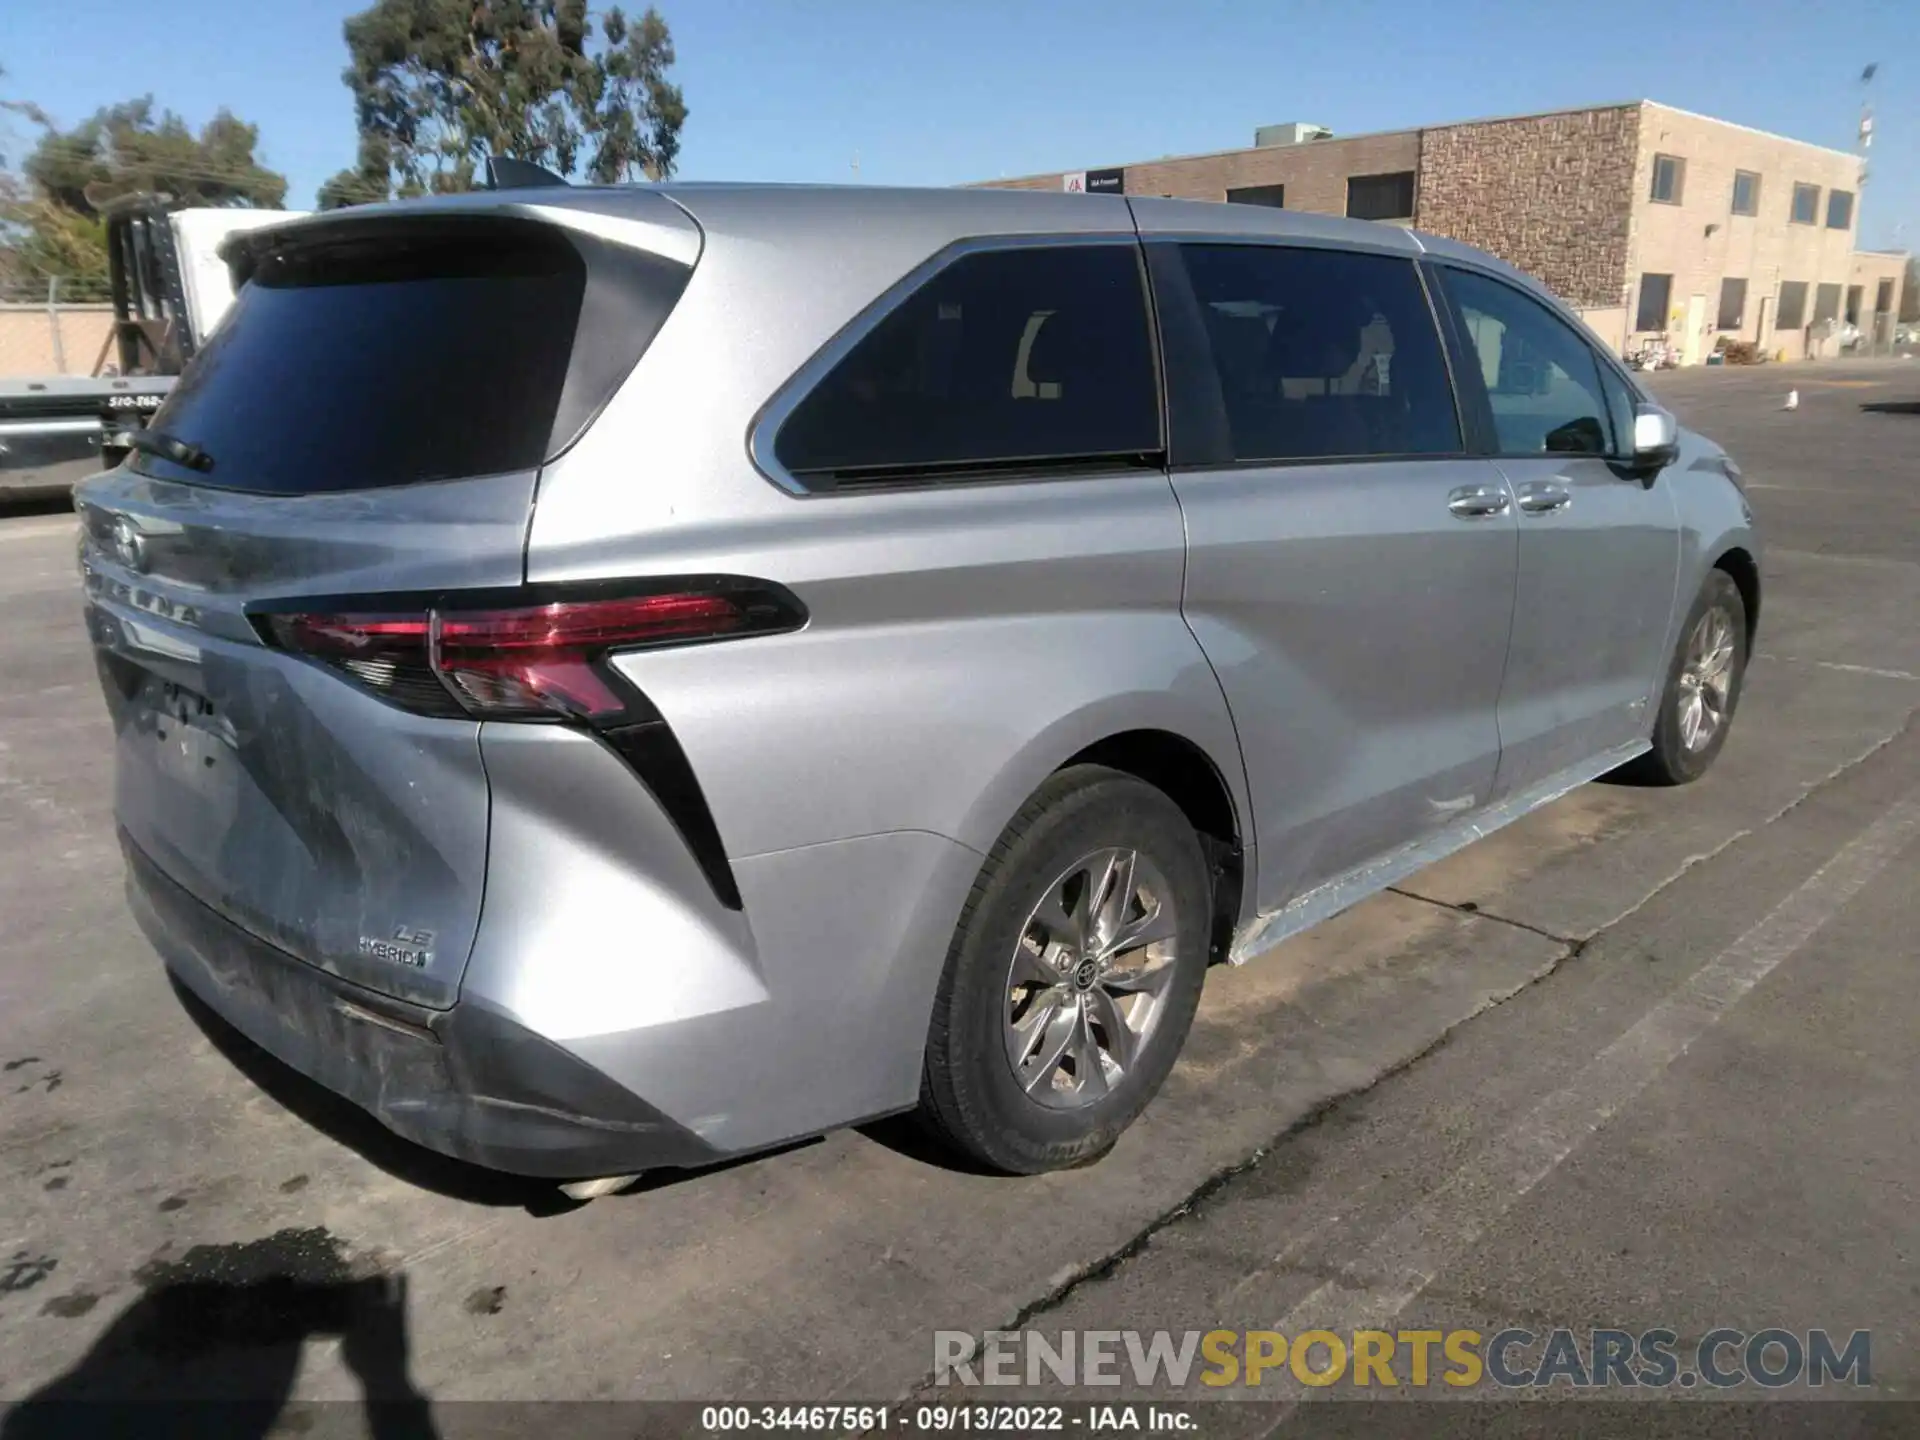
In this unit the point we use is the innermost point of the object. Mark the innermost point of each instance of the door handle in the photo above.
(1541, 497)
(1477, 502)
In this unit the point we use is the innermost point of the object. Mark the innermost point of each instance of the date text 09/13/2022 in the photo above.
(947, 1419)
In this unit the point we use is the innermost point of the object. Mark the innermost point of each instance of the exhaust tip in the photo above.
(594, 1189)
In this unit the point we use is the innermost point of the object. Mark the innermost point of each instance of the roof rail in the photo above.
(505, 173)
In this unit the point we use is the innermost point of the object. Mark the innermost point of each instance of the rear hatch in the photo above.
(361, 438)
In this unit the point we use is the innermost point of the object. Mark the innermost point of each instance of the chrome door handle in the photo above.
(1477, 502)
(1540, 497)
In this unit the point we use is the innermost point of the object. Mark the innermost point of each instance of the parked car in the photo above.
(653, 673)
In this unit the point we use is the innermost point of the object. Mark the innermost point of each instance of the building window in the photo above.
(1791, 312)
(1746, 193)
(1733, 304)
(1826, 305)
(1839, 209)
(1883, 297)
(1655, 291)
(1381, 197)
(1012, 361)
(1274, 197)
(1855, 293)
(1806, 204)
(1669, 174)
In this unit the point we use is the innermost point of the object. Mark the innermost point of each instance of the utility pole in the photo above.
(1863, 144)
(1865, 135)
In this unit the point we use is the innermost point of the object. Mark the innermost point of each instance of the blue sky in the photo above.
(926, 93)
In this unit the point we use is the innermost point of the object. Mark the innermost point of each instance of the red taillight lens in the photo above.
(533, 661)
(386, 654)
(541, 660)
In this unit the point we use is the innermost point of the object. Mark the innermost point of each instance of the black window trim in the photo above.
(1679, 180)
(1665, 307)
(1184, 455)
(763, 431)
(1278, 186)
(1412, 177)
(1821, 290)
(1799, 321)
(1603, 359)
(1740, 321)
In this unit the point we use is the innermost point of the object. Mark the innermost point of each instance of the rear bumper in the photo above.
(465, 1082)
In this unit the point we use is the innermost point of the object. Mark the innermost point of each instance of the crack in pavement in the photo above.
(1195, 1200)
(1472, 908)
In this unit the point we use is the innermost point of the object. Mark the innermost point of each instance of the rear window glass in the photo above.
(1028, 356)
(355, 363)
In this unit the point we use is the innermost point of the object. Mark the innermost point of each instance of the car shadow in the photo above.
(214, 1344)
(1892, 407)
(343, 1121)
(347, 1124)
(908, 1138)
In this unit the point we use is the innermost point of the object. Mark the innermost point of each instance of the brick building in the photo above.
(1653, 222)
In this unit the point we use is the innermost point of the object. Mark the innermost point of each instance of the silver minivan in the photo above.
(617, 678)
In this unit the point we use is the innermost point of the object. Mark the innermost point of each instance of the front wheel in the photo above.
(1703, 687)
(1073, 977)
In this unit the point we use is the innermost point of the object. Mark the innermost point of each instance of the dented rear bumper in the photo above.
(465, 1082)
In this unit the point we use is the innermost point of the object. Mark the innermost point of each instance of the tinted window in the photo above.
(1542, 382)
(1655, 291)
(1746, 193)
(1806, 204)
(1381, 197)
(1668, 172)
(1826, 304)
(1839, 209)
(1792, 311)
(1272, 196)
(1322, 352)
(1039, 354)
(1733, 304)
(367, 359)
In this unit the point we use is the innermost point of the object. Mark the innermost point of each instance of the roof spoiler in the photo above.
(504, 173)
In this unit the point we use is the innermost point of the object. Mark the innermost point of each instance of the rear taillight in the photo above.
(540, 662)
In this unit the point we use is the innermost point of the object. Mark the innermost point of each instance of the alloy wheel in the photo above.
(1706, 678)
(1089, 977)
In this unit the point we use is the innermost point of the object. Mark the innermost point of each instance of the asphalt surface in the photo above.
(1643, 1060)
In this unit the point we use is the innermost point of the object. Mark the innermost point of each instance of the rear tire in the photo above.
(1704, 680)
(1073, 976)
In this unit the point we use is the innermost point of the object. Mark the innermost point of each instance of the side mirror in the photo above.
(1656, 439)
